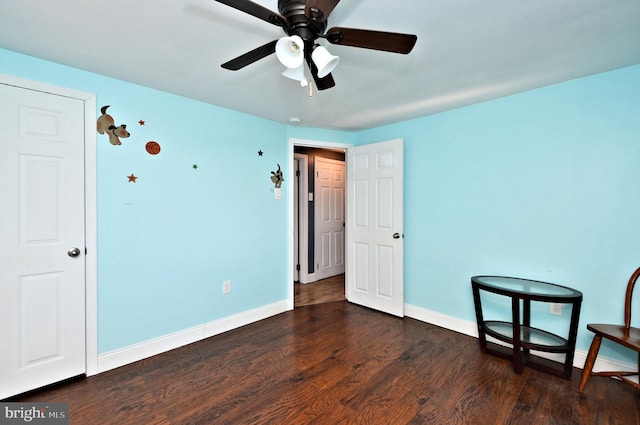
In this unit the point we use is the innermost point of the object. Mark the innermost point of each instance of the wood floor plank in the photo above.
(606, 401)
(545, 400)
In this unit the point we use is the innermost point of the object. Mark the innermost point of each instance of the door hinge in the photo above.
(298, 267)
(297, 173)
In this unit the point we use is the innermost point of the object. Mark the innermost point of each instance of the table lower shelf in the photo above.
(530, 338)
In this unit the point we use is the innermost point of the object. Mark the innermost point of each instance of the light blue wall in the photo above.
(543, 185)
(167, 242)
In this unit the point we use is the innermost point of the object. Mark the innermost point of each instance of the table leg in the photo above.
(571, 341)
(517, 352)
(526, 321)
(482, 338)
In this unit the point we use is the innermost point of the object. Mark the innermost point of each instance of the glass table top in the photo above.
(525, 286)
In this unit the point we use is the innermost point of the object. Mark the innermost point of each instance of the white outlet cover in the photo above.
(555, 308)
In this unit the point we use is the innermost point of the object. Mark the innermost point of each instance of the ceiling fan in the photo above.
(304, 22)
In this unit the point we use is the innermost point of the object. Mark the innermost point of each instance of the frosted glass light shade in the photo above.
(324, 60)
(290, 51)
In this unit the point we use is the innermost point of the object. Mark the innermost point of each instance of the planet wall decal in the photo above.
(153, 147)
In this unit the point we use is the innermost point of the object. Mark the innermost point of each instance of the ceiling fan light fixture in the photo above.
(324, 60)
(290, 51)
(304, 22)
(296, 74)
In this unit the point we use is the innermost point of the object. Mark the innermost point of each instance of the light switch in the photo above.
(278, 193)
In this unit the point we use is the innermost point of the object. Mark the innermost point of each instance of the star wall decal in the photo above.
(132, 178)
(260, 152)
(141, 122)
(194, 166)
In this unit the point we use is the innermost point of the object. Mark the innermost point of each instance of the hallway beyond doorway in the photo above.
(319, 292)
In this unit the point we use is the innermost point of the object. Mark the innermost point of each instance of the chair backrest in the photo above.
(628, 296)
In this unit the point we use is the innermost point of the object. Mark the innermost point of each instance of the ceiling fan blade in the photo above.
(256, 10)
(319, 10)
(251, 57)
(323, 83)
(375, 40)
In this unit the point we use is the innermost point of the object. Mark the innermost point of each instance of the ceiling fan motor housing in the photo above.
(299, 24)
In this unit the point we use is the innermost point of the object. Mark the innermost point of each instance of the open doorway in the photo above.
(374, 232)
(318, 224)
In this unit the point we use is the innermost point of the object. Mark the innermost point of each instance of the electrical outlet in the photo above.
(555, 308)
(226, 287)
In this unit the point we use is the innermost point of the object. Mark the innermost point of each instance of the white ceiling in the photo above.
(468, 51)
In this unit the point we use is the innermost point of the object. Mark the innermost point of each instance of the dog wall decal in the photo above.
(277, 177)
(106, 124)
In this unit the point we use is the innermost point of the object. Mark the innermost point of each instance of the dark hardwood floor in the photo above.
(338, 363)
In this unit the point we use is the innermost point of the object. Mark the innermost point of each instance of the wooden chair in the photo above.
(622, 334)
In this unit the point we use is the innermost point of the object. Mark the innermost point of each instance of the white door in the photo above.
(329, 217)
(42, 280)
(374, 275)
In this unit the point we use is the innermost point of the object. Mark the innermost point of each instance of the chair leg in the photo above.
(591, 359)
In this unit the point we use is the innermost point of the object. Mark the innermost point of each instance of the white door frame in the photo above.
(303, 211)
(91, 274)
(313, 144)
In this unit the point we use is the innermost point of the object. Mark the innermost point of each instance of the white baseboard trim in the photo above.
(470, 328)
(308, 278)
(143, 350)
(442, 320)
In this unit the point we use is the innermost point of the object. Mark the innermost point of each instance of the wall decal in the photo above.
(132, 178)
(194, 166)
(153, 147)
(141, 122)
(260, 152)
(106, 124)
(277, 177)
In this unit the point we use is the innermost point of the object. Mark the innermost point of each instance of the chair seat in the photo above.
(618, 334)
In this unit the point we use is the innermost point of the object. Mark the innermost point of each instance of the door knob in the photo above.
(396, 236)
(73, 252)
